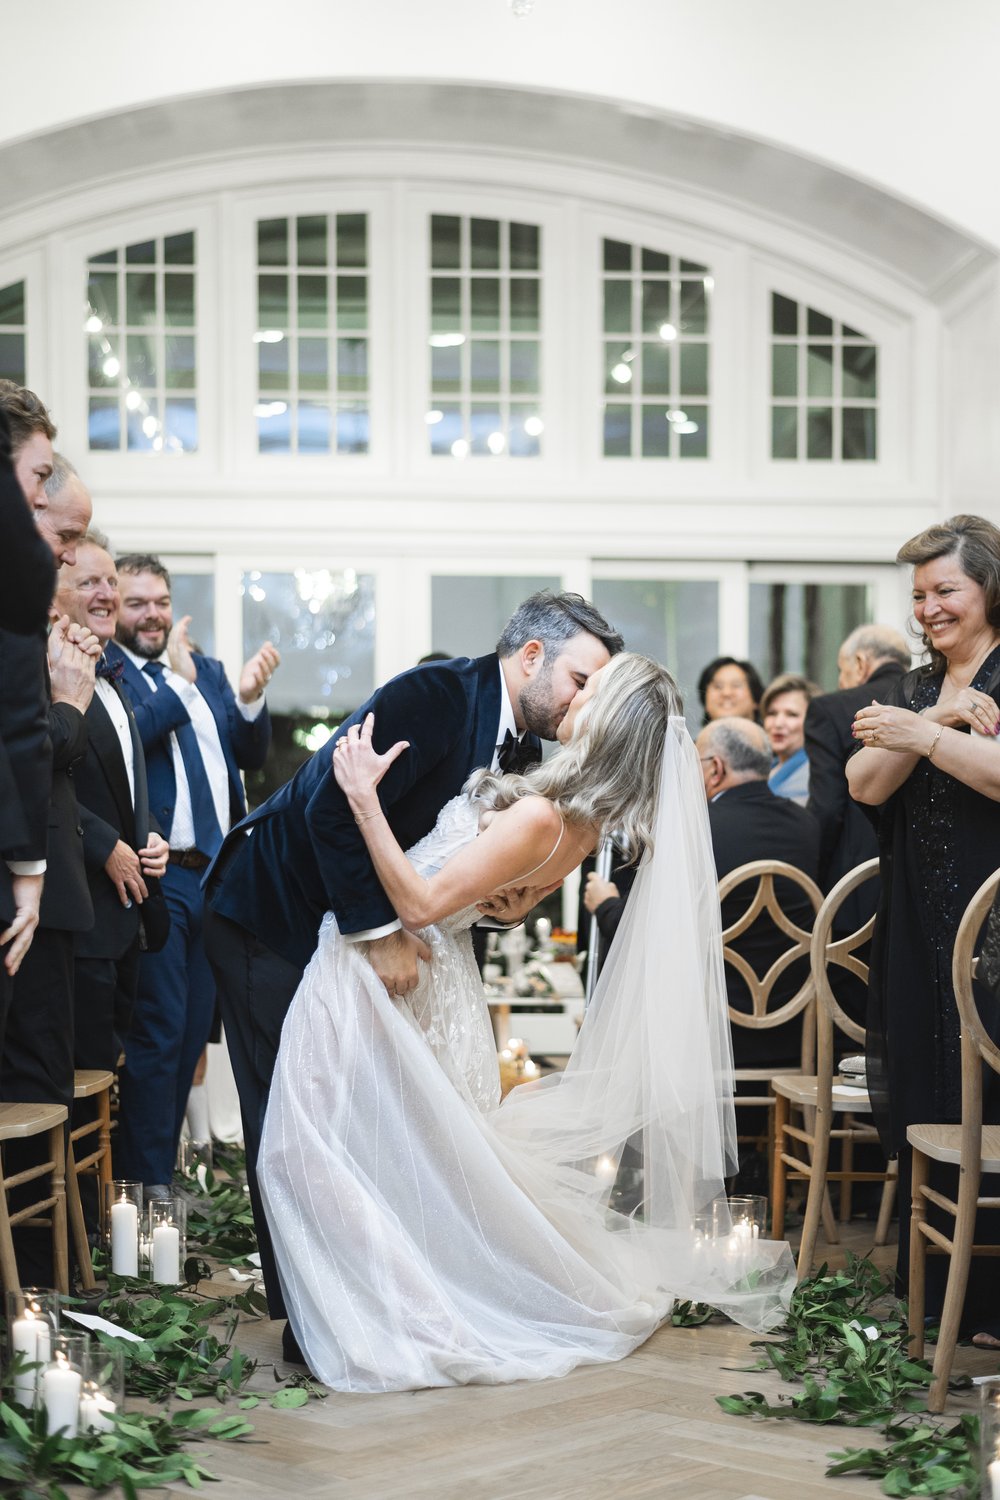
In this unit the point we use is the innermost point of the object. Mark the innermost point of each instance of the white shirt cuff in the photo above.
(26, 866)
(372, 933)
(252, 710)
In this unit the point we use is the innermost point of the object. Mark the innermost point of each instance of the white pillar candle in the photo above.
(24, 1333)
(124, 1238)
(166, 1254)
(95, 1412)
(994, 1473)
(61, 1394)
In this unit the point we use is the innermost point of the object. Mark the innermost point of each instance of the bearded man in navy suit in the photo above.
(197, 734)
(301, 854)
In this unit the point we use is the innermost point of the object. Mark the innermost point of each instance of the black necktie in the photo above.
(514, 756)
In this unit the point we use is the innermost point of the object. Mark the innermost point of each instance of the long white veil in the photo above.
(641, 1125)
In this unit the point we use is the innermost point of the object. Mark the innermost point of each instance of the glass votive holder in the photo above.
(192, 1155)
(166, 1228)
(703, 1230)
(61, 1383)
(989, 1436)
(122, 1217)
(103, 1391)
(32, 1320)
(748, 1216)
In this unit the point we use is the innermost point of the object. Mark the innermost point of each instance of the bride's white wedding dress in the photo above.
(427, 1234)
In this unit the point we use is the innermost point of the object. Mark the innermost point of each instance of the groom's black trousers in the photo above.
(255, 988)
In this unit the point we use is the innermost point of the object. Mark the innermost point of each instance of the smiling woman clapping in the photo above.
(929, 759)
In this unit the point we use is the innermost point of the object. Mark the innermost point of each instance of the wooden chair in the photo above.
(974, 1148)
(95, 1163)
(19, 1122)
(819, 1099)
(762, 1017)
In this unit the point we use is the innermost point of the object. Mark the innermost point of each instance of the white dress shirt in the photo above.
(204, 725)
(119, 718)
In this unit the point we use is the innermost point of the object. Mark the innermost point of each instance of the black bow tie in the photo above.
(114, 671)
(514, 756)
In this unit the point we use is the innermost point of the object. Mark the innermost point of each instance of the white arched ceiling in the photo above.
(899, 95)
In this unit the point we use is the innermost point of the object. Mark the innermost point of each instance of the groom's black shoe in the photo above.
(290, 1351)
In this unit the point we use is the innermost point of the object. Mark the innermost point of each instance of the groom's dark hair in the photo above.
(554, 619)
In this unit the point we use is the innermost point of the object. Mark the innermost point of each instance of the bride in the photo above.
(427, 1234)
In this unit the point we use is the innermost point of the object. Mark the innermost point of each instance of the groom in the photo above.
(301, 854)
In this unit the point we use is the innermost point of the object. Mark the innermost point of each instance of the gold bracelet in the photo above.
(365, 816)
(930, 753)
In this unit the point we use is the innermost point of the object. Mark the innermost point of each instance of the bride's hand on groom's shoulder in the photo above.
(357, 765)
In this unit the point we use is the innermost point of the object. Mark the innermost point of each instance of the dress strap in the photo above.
(518, 879)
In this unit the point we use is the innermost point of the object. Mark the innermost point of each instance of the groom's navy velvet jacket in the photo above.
(301, 853)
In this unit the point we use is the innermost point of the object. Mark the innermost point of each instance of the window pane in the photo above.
(315, 427)
(143, 427)
(694, 369)
(272, 301)
(180, 369)
(140, 362)
(12, 357)
(102, 294)
(314, 365)
(104, 424)
(484, 375)
(818, 323)
(693, 268)
(655, 432)
(449, 430)
(819, 432)
(524, 305)
(469, 613)
(485, 303)
(180, 425)
(798, 627)
(445, 242)
(617, 431)
(484, 244)
(352, 301)
(178, 249)
(525, 438)
(446, 294)
(352, 364)
(104, 363)
(859, 441)
(655, 260)
(859, 367)
(274, 428)
(655, 305)
(12, 303)
(619, 371)
(446, 369)
(323, 623)
(694, 307)
(784, 315)
(784, 370)
(784, 432)
(178, 296)
(617, 307)
(486, 431)
(273, 366)
(310, 234)
(352, 239)
(352, 429)
(617, 256)
(312, 294)
(524, 357)
(524, 247)
(694, 444)
(141, 254)
(272, 242)
(140, 298)
(194, 594)
(656, 369)
(819, 370)
(673, 621)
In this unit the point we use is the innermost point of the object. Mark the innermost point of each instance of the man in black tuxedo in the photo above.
(749, 822)
(26, 582)
(871, 661)
(301, 854)
(124, 854)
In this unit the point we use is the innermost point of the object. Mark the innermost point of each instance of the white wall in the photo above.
(900, 93)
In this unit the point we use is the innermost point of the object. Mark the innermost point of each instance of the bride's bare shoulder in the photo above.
(534, 815)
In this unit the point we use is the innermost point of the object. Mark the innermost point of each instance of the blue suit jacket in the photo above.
(301, 853)
(244, 742)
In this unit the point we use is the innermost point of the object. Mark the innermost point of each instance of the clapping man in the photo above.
(197, 735)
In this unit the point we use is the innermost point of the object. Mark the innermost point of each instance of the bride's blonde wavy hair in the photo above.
(609, 772)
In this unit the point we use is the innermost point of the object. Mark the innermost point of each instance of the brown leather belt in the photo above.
(189, 859)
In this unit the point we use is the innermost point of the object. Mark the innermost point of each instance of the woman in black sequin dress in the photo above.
(929, 759)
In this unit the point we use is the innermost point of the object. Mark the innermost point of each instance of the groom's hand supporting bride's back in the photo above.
(395, 958)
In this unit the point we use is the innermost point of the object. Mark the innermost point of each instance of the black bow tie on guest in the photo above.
(514, 756)
(114, 671)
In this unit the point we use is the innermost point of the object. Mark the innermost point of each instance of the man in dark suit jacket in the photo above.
(26, 581)
(749, 822)
(301, 855)
(197, 735)
(870, 662)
